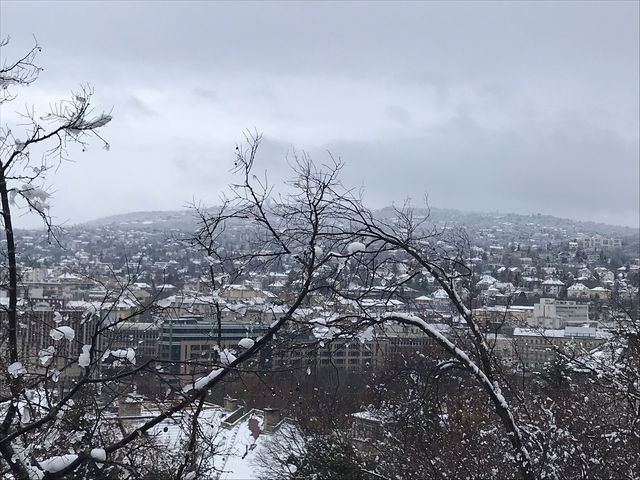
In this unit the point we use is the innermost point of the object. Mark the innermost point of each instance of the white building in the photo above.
(558, 314)
(601, 242)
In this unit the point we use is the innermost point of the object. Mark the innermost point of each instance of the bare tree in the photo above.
(324, 228)
(70, 121)
(357, 263)
(43, 419)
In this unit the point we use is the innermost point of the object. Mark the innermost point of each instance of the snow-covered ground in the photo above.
(234, 446)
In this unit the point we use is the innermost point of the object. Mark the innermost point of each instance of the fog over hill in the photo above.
(185, 220)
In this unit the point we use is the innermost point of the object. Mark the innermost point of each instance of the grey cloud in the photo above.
(542, 168)
(206, 94)
(452, 39)
(140, 107)
(398, 114)
(523, 106)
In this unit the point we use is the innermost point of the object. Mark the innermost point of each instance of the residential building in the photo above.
(579, 291)
(552, 286)
(601, 242)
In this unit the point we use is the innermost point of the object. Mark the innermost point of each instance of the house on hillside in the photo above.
(552, 287)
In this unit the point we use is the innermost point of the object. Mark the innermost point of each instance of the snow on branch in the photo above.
(492, 388)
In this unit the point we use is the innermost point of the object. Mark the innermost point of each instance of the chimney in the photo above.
(272, 417)
(230, 404)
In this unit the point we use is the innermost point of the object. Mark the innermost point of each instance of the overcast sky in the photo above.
(516, 107)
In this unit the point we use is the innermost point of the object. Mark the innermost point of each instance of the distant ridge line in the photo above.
(438, 215)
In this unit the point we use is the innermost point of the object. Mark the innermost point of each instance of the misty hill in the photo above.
(156, 220)
(184, 220)
(483, 220)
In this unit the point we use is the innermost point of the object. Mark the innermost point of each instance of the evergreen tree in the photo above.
(327, 458)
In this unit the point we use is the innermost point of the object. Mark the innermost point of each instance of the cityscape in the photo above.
(544, 292)
(319, 241)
